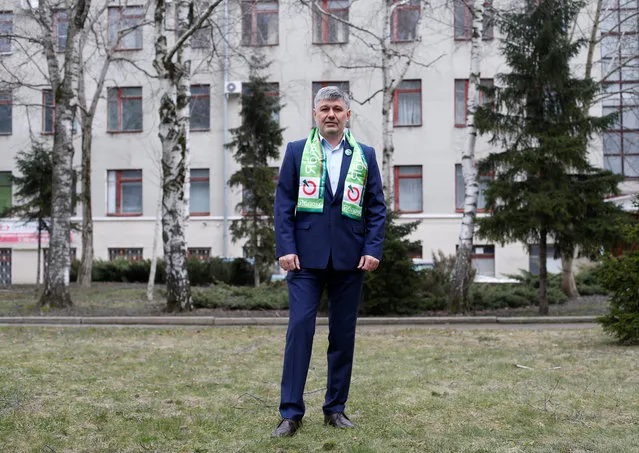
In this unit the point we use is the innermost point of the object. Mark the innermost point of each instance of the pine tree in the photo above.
(33, 189)
(255, 142)
(544, 186)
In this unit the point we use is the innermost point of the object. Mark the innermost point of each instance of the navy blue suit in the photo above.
(329, 246)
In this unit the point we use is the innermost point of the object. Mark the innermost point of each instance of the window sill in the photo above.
(408, 212)
(200, 130)
(330, 43)
(460, 126)
(47, 133)
(137, 214)
(261, 45)
(402, 41)
(407, 125)
(199, 214)
(479, 211)
(125, 132)
(5, 134)
(132, 49)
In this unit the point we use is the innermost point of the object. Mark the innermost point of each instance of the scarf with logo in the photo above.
(313, 177)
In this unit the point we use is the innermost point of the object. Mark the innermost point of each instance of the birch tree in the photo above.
(173, 67)
(460, 284)
(391, 57)
(98, 49)
(62, 73)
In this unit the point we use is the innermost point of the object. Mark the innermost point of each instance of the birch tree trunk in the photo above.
(543, 273)
(150, 287)
(86, 265)
(173, 68)
(460, 280)
(64, 87)
(568, 283)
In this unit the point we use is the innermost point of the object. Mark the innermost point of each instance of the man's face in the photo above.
(330, 117)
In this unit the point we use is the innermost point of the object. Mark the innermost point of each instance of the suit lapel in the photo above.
(346, 162)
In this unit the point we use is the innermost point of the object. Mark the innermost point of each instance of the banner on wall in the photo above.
(15, 231)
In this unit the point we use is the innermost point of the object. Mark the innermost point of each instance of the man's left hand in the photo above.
(368, 263)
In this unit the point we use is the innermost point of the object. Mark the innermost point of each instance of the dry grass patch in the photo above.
(414, 390)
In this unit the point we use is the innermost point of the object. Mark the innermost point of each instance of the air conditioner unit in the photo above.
(29, 4)
(233, 88)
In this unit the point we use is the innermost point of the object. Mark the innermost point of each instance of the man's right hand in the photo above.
(290, 262)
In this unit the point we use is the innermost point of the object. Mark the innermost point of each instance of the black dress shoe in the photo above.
(287, 427)
(339, 420)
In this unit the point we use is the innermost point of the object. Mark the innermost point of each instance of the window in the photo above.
(461, 99)
(404, 21)
(483, 259)
(247, 195)
(260, 22)
(408, 189)
(48, 112)
(125, 254)
(200, 253)
(5, 267)
(60, 29)
(620, 70)
(124, 192)
(463, 19)
(6, 107)
(125, 110)
(6, 195)
(407, 103)
(327, 29)
(6, 30)
(201, 39)
(460, 190)
(125, 25)
(200, 107)
(199, 197)
(553, 264)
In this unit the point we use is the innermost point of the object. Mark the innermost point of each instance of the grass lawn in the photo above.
(414, 390)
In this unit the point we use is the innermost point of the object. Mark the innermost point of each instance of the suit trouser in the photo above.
(305, 289)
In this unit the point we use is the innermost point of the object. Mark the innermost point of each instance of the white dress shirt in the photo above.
(333, 161)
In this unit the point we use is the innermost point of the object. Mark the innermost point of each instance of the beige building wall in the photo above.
(435, 145)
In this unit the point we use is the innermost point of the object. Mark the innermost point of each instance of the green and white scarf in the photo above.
(313, 177)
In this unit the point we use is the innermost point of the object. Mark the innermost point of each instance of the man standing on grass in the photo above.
(329, 230)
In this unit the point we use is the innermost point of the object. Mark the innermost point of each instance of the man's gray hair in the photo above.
(332, 93)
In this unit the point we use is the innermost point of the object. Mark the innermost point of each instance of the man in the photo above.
(329, 230)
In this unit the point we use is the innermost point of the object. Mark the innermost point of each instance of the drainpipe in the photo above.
(226, 132)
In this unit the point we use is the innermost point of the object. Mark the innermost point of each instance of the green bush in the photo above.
(486, 296)
(620, 275)
(589, 282)
(269, 296)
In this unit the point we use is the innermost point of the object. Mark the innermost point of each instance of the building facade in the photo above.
(307, 50)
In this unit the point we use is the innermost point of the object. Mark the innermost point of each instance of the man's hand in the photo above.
(290, 262)
(368, 263)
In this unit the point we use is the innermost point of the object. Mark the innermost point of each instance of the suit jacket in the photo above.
(315, 237)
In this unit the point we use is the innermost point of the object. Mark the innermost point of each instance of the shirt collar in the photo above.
(340, 145)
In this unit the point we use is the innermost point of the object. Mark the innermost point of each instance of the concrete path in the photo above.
(482, 322)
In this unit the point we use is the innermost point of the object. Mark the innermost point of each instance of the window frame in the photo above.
(396, 181)
(482, 101)
(206, 179)
(121, 10)
(490, 175)
(325, 20)
(195, 252)
(56, 23)
(118, 193)
(396, 94)
(254, 13)
(8, 22)
(128, 253)
(206, 96)
(395, 21)
(468, 21)
(8, 102)
(51, 107)
(120, 99)
(7, 186)
(482, 256)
